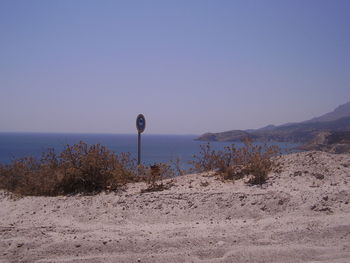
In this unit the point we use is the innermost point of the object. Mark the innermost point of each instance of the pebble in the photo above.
(221, 243)
(319, 176)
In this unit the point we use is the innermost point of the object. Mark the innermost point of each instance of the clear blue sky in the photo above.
(189, 66)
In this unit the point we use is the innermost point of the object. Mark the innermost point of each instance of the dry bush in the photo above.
(177, 168)
(94, 168)
(78, 169)
(234, 163)
(207, 160)
(29, 176)
(155, 174)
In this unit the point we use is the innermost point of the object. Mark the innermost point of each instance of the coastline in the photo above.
(300, 215)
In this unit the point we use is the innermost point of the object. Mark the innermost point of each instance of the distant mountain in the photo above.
(302, 132)
(266, 128)
(340, 112)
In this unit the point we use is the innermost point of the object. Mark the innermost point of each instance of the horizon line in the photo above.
(97, 133)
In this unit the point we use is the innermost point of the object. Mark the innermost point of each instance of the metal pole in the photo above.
(139, 149)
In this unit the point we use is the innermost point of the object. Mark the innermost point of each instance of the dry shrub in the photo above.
(78, 169)
(81, 168)
(94, 168)
(176, 167)
(29, 176)
(234, 163)
(154, 177)
(207, 160)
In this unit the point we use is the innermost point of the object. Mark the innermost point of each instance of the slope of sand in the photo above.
(301, 215)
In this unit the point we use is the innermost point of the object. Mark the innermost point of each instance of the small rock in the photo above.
(298, 173)
(221, 243)
(319, 176)
(325, 198)
(280, 202)
(325, 209)
(77, 245)
(20, 245)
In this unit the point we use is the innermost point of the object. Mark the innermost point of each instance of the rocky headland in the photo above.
(334, 125)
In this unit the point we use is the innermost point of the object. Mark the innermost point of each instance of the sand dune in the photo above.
(301, 215)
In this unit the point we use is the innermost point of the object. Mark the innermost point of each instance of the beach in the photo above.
(302, 214)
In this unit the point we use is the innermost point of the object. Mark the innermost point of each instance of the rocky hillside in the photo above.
(340, 112)
(334, 142)
(303, 132)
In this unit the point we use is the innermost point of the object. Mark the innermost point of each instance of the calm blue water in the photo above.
(155, 148)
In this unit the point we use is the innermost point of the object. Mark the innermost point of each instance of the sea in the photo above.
(154, 148)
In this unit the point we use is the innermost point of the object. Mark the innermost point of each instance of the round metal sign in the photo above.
(140, 123)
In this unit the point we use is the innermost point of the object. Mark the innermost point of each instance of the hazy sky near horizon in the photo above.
(190, 66)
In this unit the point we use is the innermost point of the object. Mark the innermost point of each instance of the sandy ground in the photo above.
(301, 215)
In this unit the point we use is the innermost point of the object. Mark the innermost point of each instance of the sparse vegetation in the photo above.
(154, 177)
(234, 163)
(81, 168)
(78, 169)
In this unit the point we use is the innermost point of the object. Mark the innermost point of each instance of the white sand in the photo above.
(298, 216)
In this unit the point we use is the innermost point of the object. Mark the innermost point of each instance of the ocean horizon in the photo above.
(156, 148)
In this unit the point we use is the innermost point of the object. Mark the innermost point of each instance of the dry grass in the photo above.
(235, 163)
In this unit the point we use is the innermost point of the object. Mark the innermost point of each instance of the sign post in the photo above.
(140, 125)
